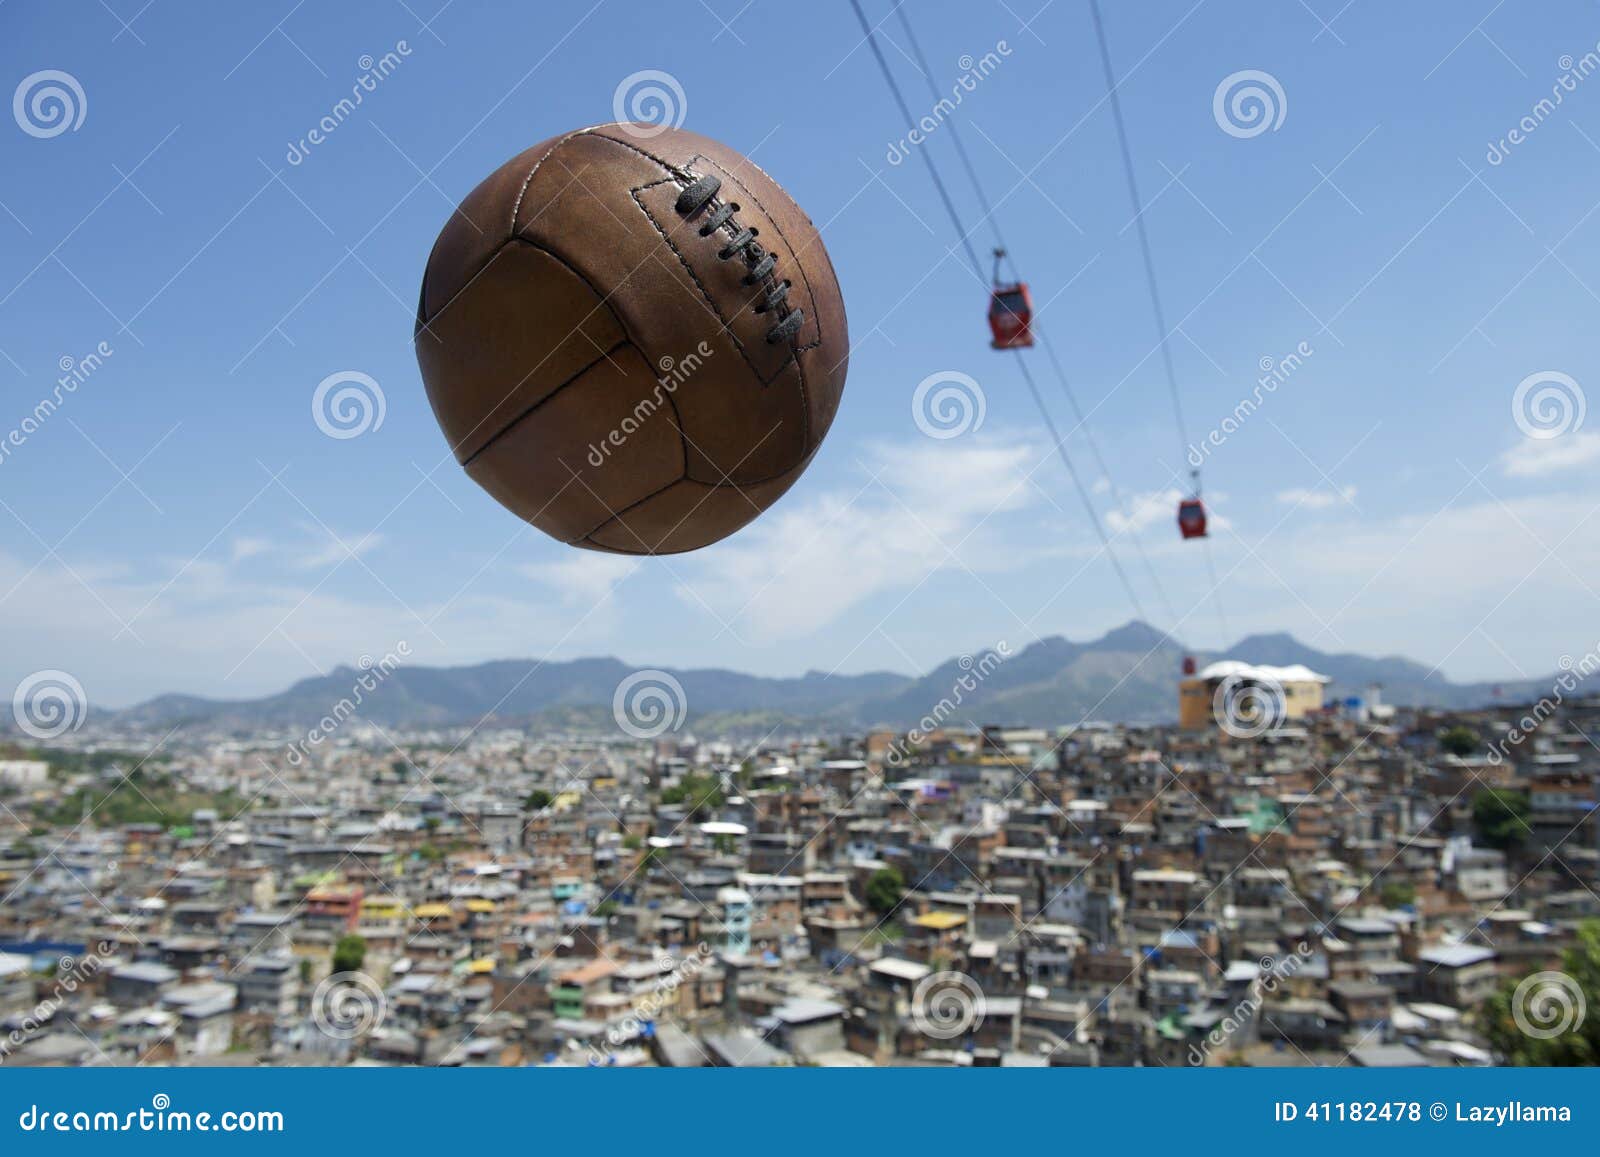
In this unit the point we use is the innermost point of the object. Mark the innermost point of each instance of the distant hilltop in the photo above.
(1128, 675)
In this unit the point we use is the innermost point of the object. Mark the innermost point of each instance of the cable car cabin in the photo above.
(1188, 665)
(1011, 317)
(1192, 518)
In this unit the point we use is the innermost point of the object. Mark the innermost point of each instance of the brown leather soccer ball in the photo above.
(632, 338)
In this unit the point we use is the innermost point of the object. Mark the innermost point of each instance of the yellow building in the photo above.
(1248, 700)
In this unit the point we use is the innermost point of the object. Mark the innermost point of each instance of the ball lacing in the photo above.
(759, 262)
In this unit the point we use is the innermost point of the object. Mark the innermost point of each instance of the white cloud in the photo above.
(1466, 586)
(1145, 509)
(825, 562)
(198, 626)
(583, 576)
(328, 546)
(1533, 457)
(247, 547)
(1159, 508)
(1317, 499)
(317, 548)
(923, 506)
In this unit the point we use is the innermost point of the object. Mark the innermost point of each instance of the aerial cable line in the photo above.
(1216, 592)
(1077, 485)
(1155, 289)
(1144, 240)
(965, 236)
(1044, 339)
(905, 111)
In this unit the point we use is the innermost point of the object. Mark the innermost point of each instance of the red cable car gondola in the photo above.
(1192, 518)
(1010, 312)
(1188, 665)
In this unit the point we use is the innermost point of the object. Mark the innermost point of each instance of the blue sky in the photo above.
(181, 523)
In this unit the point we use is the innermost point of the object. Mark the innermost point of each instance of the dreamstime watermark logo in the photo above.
(649, 102)
(649, 1006)
(72, 973)
(948, 404)
(945, 1005)
(972, 73)
(1273, 974)
(1548, 404)
(1274, 373)
(48, 704)
(155, 1119)
(348, 404)
(1248, 708)
(649, 703)
(74, 372)
(1547, 1005)
(373, 73)
(49, 103)
(1572, 73)
(373, 674)
(346, 1005)
(1248, 103)
(673, 373)
(1573, 674)
(973, 674)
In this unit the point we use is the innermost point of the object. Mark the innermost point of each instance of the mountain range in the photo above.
(1127, 675)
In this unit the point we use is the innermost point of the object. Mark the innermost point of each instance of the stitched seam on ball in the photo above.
(729, 484)
(622, 324)
(734, 177)
(603, 300)
(424, 320)
(739, 486)
(516, 206)
(616, 514)
(506, 429)
(671, 168)
(770, 282)
(727, 325)
(646, 153)
(605, 549)
(676, 175)
(811, 295)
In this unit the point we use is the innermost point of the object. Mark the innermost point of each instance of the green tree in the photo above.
(350, 953)
(1545, 1002)
(156, 798)
(1397, 894)
(607, 908)
(1459, 740)
(701, 794)
(538, 799)
(1501, 817)
(885, 889)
